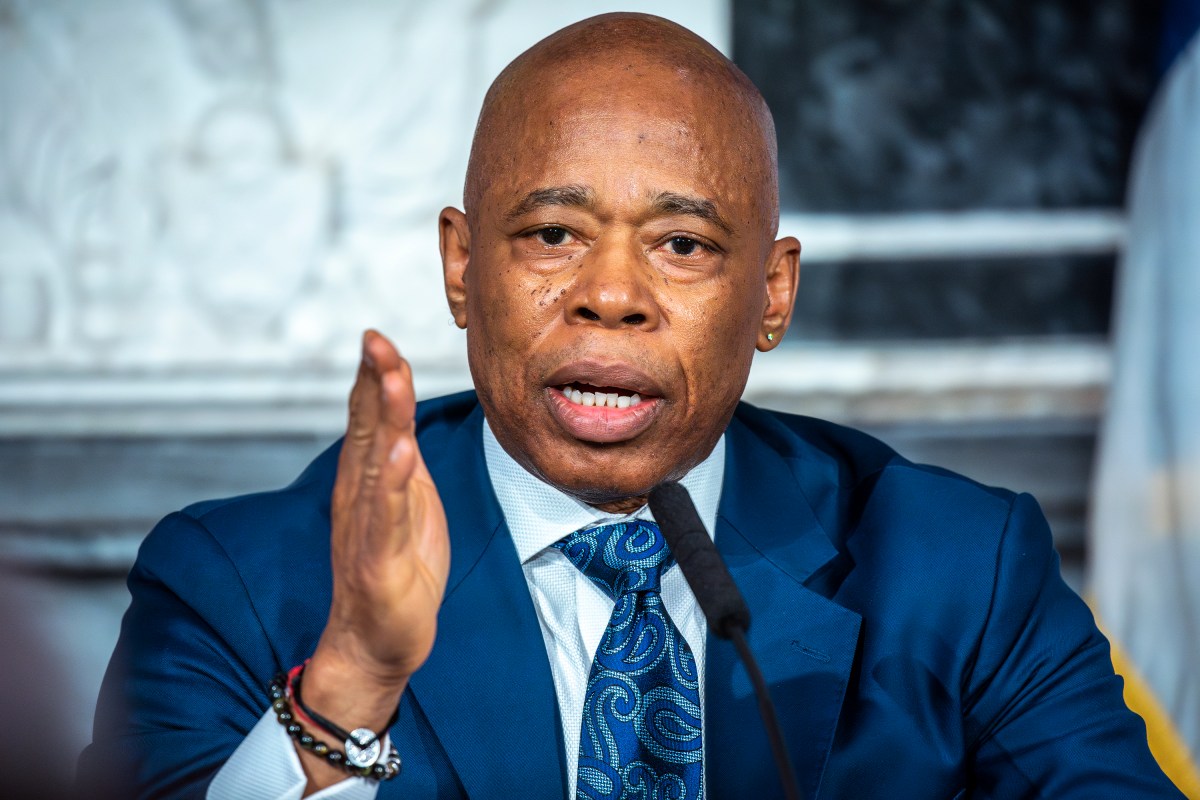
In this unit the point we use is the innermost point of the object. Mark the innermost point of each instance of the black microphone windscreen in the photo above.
(699, 560)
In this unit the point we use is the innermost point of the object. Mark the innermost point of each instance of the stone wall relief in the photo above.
(227, 182)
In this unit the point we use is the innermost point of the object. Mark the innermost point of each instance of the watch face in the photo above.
(361, 756)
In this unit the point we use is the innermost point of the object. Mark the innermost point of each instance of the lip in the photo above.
(597, 373)
(602, 424)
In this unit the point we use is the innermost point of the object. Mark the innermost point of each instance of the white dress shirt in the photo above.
(572, 611)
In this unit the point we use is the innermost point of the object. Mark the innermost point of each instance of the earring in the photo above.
(770, 337)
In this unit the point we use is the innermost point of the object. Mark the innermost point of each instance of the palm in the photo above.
(390, 546)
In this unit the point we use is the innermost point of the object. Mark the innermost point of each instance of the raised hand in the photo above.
(391, 557)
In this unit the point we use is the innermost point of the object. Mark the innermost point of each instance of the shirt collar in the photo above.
(538, 514)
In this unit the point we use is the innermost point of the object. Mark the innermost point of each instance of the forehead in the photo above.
(627, 128)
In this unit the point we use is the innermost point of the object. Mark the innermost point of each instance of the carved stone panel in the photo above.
(236, 188)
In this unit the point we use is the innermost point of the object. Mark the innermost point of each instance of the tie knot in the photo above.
(620, 558)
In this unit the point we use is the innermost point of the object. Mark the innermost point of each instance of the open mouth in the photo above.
(586, 394)
(604, 402)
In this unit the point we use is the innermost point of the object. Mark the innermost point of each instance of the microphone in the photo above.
(699, 560)
(722, 603)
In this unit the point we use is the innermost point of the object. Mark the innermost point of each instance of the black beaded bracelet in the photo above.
(382, 770)
(362, 738)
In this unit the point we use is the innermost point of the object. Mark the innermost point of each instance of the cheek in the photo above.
(718, 338)
(510, 312)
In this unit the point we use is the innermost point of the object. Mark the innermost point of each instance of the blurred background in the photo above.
(203, 203)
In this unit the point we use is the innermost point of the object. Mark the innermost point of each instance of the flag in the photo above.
(1144, 565)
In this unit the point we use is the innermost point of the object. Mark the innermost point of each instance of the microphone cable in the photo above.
(722, 603)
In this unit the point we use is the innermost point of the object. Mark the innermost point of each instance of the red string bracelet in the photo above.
(377, 768)
(363, 745)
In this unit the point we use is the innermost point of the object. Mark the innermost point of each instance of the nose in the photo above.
(613, 288)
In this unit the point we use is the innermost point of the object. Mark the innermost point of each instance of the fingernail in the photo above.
(366, 352)
(395, 453)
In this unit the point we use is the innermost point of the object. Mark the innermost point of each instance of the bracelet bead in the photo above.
(386, 768)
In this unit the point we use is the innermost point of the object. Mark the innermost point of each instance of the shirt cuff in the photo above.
(266, 766)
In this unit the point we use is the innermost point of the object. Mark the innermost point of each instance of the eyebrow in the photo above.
(575, 196)
(583, 197)
(673, 203)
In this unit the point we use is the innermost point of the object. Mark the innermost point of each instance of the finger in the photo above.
(355, 473)
(394, 451)
(381, 352)
(378, 356)
(389, 466)
(364, 404)
(399, 398)
(394, 407)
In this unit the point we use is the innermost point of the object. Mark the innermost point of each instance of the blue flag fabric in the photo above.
(1145, 551)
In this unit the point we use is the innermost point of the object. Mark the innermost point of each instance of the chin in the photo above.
(598, 496)
(598, 474)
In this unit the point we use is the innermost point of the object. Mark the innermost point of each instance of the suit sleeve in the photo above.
(186, 683)
(1045, 714)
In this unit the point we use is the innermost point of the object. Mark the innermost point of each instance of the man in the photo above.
(615, 269)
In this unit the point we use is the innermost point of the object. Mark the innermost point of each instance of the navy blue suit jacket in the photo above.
(912, 624)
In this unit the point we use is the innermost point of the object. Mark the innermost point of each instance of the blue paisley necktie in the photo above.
(641, 714)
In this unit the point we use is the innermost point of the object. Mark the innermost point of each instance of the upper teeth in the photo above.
(608, 399)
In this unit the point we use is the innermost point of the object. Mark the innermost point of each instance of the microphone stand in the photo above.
(722, 603)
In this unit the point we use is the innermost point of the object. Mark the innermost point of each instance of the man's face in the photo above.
(619, 252)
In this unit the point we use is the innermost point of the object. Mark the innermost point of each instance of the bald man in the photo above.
(469, 595)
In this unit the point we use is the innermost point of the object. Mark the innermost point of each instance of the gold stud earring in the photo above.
(770, 337)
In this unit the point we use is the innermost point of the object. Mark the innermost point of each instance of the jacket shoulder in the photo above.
(854, 460)
(290, 524)
(436, 419)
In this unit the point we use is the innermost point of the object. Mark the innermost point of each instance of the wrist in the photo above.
(366, 753)
(354, 696)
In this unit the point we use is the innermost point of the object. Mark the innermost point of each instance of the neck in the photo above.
(626, 506)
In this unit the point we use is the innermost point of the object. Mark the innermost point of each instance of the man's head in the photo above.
(619, 238)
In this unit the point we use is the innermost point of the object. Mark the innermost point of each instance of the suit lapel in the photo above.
(774, 544)
(487, 689)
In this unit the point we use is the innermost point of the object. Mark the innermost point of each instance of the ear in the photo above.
(783, 276)
(454, 241)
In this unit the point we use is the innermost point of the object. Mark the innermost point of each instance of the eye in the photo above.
(551, 236)
(683, 246)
